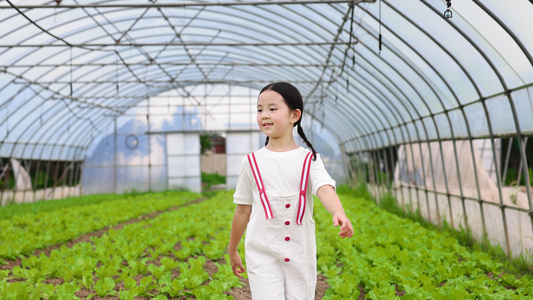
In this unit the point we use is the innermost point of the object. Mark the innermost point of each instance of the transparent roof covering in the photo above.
(69, 68)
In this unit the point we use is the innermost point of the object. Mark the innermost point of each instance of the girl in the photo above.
(275, 204)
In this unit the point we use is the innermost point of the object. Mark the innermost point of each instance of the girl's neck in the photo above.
(281, 145)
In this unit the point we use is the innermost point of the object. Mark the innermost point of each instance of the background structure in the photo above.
(109, 96)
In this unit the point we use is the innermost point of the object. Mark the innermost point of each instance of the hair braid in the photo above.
(266, 142)
(304, 138)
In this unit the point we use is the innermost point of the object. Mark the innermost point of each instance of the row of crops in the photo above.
(172, 245)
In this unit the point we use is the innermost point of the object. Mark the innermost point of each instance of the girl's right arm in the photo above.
(240, 220)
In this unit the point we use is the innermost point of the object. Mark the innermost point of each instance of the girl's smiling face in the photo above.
(274, 117)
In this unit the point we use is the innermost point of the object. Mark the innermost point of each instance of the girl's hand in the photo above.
(346, 229)
(236, 264)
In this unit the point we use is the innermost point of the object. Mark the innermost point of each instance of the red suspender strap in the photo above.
(260, 186)
(303, 188)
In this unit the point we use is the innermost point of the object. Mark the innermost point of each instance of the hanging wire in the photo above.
(116, 74)
(7, 120)
(349, 46)
(380, 41)
(347, 85)
(41, 112)
(336, 91)
(70, 72)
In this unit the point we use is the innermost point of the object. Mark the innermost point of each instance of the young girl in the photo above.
(275, 204)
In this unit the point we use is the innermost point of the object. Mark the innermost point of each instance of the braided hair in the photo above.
(294, 101)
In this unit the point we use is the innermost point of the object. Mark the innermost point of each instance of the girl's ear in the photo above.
(296, 115)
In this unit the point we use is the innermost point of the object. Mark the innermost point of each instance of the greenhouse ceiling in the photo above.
(373, 73)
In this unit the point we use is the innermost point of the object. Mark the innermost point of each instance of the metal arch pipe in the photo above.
(518, 132)
(377, 95)
(430, 153)
(29, 82)
(456, 98)
(511, 102)
(26, 130)
(186, 4)
(414, 107)
(349, 156)
(51, 131)
(389, 105)
(331, 49)
(168, 63)
(330, 127)
(446, 112)
(377, 107)
(64, 129)
(438, 134)
(36, 132)
(507, 29)
(195, 44)
(373, 140)
(89, 143)
(30, 111)
(315, 23)
(432, 115)
(355, 112)
(348, 119)
(222, 81)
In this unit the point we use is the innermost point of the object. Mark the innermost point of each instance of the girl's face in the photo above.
(274, 117)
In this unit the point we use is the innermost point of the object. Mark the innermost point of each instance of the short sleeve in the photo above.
(319, 176)
(243, 191)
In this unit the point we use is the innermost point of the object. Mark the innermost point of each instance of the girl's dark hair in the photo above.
(294, 101)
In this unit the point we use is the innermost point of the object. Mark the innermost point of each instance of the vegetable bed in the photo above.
(180, 253)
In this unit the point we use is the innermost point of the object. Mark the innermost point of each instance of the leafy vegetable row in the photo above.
(8, 211)
(162, 257)
(390, 256)
(24, 233)
(166, 257)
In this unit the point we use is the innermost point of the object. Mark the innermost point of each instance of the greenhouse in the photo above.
(425, 103)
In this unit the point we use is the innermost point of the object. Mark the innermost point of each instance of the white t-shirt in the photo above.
(281, 173)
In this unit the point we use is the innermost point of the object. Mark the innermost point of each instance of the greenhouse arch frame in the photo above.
(435, 111)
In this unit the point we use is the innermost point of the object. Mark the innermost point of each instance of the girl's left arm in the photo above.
(332, 203)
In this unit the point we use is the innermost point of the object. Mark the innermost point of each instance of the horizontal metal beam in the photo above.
(185, 4)
(171, 64)
(177, 81)
(211, 44)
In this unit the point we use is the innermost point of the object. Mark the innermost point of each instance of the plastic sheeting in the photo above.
(430, 179)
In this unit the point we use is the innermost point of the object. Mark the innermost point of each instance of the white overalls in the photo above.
(280, 241)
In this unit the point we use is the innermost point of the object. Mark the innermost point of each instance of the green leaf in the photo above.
(4, 274)
(104, 287)
(127, 295)
(169, 264)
